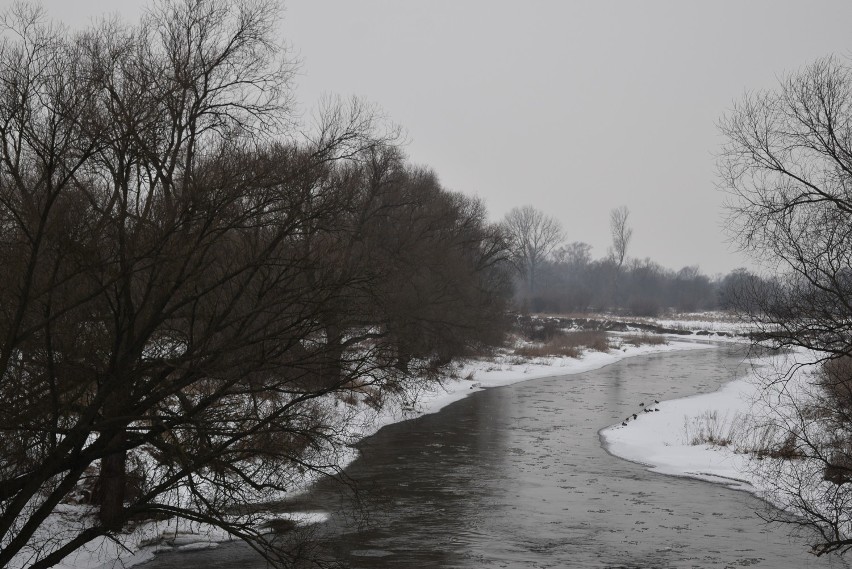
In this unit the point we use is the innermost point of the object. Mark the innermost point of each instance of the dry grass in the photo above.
(547, 350)
(349, 398)
(742, 435)
(567, 344)
(709, 428)
(644, 340)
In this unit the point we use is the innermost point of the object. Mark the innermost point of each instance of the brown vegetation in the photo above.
(644, 339)
(835, 379)
(567, 344)
(188, 279)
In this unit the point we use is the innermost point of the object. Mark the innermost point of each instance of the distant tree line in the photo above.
(191, 278)
(552, 276)
(571, 283)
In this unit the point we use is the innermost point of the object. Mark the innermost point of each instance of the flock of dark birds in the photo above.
(645, 409)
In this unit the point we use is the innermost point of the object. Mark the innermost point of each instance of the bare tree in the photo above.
(189, 282)
(787, 168)
(532, 236)
(431, 272)
(621, 234)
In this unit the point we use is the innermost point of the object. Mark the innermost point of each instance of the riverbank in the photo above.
(669, 440)
(517, 475)
(746, 435)
(470, 376)
(460, 380)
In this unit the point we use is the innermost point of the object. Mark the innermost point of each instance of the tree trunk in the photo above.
(112, 484)
(332, 372)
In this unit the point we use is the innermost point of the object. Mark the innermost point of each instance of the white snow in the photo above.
(140, 545)
(664, 441)
(504, 371)
(743, 419)
(148, 539)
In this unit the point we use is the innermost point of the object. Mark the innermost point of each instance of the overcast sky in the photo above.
(575, 107)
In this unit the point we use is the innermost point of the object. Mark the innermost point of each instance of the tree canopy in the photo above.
(787, 167)
(192, 280)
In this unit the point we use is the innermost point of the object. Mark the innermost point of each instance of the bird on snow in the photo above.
(623, 424)
(634, 415)
(641, 405)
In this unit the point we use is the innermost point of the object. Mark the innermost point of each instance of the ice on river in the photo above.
(665, 439)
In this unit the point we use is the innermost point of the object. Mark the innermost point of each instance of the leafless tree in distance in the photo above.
(621, 234)
(532, 236)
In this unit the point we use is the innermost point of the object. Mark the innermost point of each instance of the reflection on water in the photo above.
(516, 477)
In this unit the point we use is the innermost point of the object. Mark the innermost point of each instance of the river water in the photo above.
(517, 477)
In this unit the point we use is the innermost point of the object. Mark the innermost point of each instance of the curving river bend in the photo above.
(516, 477)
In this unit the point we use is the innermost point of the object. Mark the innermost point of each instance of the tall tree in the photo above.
(787, 167)
(532, 236)
(183, 278)
(621, 234)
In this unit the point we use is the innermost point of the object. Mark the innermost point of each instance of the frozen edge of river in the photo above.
(131, 549)
(665, 442)
(661, 441)
(737, 412)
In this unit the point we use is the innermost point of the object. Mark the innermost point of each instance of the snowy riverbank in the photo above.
(463, 379)
(665, 440)
(503, 370)
(732, 436)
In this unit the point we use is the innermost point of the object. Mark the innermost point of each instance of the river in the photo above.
(516, 477)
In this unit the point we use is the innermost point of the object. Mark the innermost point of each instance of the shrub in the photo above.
(567, 344)
(838, 469)
(836, 380)
(644, 339)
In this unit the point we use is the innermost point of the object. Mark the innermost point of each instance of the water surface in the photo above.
(516, 477)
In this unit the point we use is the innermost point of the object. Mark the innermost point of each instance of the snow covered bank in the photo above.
(468, 377)
(723, 436)
(664, 441)
(148, 539)
(507, 370)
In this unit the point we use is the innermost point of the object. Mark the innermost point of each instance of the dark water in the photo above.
(517, 477)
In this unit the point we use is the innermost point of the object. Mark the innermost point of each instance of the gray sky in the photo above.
(575, 107)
